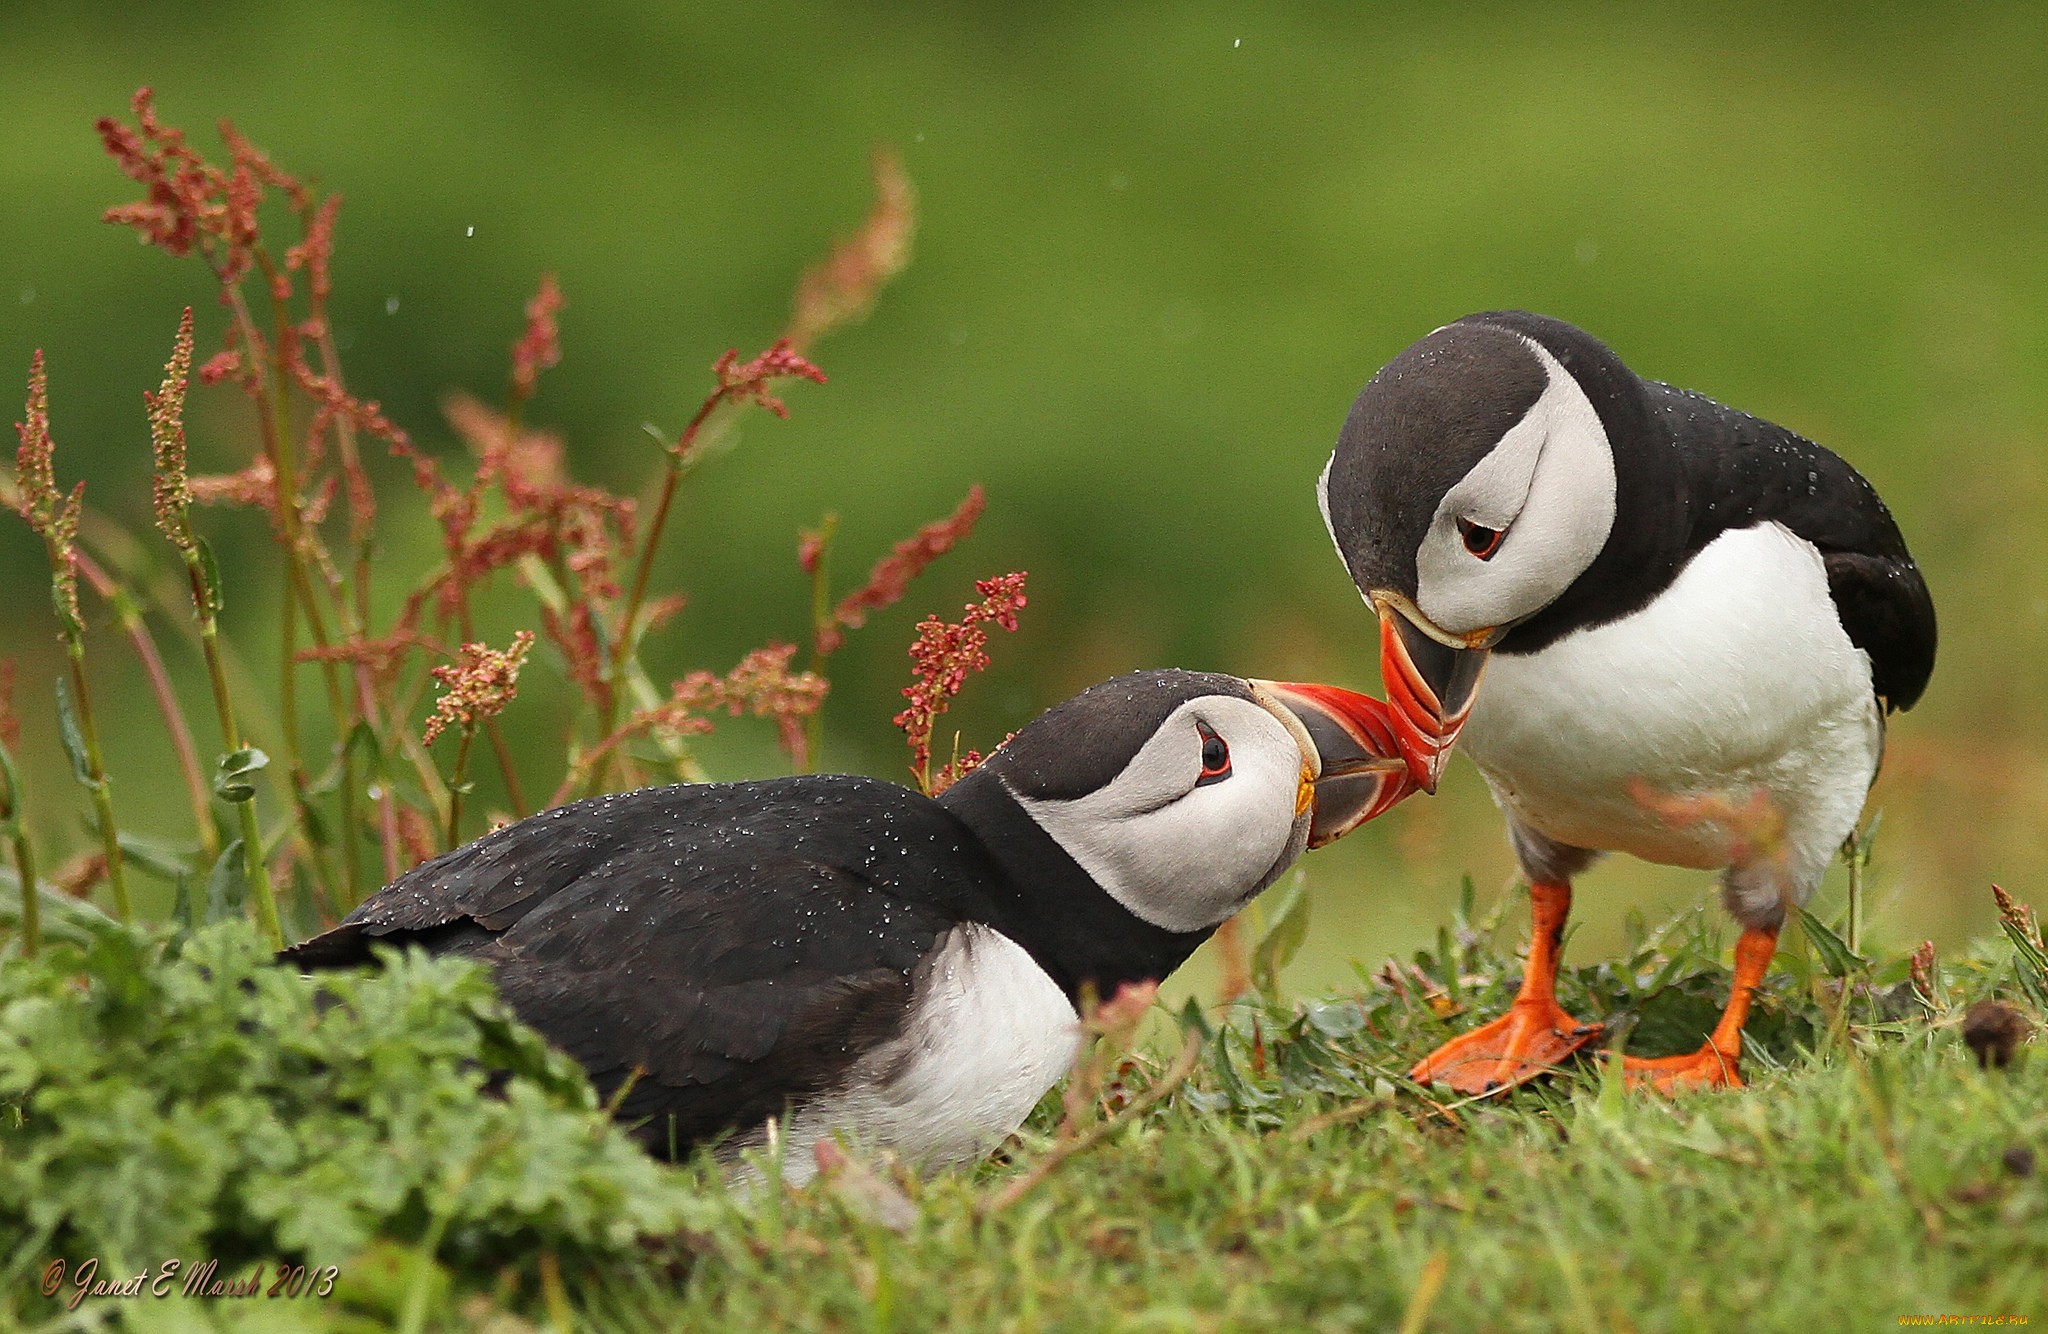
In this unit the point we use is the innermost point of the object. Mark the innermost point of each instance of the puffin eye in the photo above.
(1480, 540)
(1215, 756)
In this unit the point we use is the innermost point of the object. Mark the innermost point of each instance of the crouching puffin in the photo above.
(850, 955)
(1690, 624)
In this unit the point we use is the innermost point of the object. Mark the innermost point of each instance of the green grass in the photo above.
(1840, 1195)
(1871, 1171)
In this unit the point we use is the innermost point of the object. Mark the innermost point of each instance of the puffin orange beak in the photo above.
(1358, 767)
(1430, 686)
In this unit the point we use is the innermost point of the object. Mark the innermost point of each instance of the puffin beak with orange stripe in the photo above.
(1353, 763)
(1432, 677)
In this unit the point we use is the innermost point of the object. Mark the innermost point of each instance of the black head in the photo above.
(1474, 478)
(1080, 745)
(1183, 794)
(1474, 481)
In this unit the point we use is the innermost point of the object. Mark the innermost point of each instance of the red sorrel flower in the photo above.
(477, 685)
(943, 656)
(891, 577)
(540, 347)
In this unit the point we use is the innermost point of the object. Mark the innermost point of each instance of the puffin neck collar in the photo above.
(1071, 926)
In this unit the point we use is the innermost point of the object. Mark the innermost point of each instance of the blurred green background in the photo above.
(1161, 246)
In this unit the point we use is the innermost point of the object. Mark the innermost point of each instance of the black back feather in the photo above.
(731, 948)
(1689, 469)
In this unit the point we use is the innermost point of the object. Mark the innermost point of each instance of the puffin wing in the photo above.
(727, 949)
(723, 989)
(1744, 471)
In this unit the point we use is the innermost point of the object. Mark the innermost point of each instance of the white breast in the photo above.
(1738, 677)
(989, 1032)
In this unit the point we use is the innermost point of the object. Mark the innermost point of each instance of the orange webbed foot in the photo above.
(1533, 1038)
(1710, 1067)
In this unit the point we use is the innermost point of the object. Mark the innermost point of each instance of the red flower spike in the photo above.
(257, 164)
(540, 347)
(943, 656)
(382, 656)
(810, 549)
(892, 575)
(220, 366)
(477, 685)
(842, 287)
(749, 381)
(574, 635)
(170, 489)
(1920, 971)
(416, 834)
(315, 253)
(35, 460)
(63, 539)
(255, 485)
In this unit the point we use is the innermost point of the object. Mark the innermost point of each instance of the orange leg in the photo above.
(1713, 1065)
(1535, 1034)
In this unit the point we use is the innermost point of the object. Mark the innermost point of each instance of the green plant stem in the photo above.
(1857, 854)
(24, 856)
(682, 457)
(31, 902)
(366, 691)
(678, 464)
(455, 786)
(102, 794)
(351, 855)
(623, 644)
(203, 601)
(259, 875)
(182, 746)
(821, 620)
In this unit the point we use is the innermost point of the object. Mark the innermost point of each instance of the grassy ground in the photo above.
(1252, 1166)
(1842, 1195)
(1872, 1172)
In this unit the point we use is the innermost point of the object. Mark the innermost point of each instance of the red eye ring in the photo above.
(1215, 755)
(1480, 540)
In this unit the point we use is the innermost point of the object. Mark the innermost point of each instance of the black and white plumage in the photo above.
(851, 955)
(1677, 608)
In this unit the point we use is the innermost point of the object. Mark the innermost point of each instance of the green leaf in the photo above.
(1283, 939)
(1677, 1018)
(228, 885)
(165, 862)
(74, 738)
(1243, 1094)
(231, 781)
(1835, 954)
(2030, 963)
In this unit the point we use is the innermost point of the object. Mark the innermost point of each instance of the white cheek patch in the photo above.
(1184, 857)
(1550, 484)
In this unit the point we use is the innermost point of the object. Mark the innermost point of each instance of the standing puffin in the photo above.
(1680, 612)
(851, 955)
